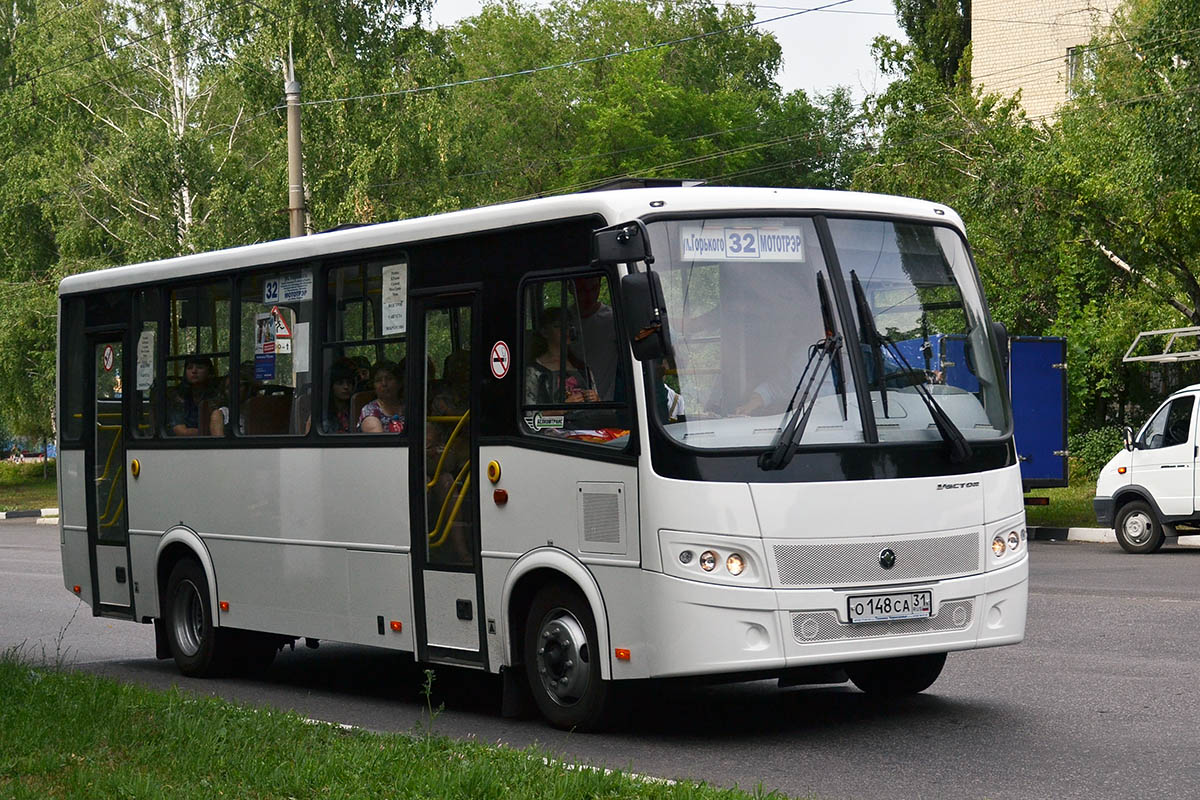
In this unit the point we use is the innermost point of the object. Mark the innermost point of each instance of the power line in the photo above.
(574, 63)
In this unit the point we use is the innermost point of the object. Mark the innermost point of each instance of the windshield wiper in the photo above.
(820, 360)
(960, 450)
(868, 333)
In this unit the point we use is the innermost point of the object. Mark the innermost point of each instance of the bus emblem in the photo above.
(887, 558)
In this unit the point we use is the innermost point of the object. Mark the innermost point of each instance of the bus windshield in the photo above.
(747, 318)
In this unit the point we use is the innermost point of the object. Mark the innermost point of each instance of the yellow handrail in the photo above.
(462, 493)
(446, 447)
(116, 515)
(105, 476)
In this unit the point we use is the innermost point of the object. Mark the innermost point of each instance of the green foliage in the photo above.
(939, 31)
(1091, 450)
(12, 474)
(133, 131)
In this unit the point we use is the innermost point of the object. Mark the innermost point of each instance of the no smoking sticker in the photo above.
(108, 359)
(500, 360)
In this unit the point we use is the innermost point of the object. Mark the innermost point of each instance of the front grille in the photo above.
(823, 626)
(851, 563)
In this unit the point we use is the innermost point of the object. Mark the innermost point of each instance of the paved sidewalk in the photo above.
(37, 512)
(1097, 535)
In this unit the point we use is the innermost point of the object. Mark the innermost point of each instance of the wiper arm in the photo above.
(839, 374)
(869, 334)
(820, 360)
(960, 450)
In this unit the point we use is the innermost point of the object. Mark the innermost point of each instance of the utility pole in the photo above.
(296, 211)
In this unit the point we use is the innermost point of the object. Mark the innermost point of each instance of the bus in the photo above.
(580, 441)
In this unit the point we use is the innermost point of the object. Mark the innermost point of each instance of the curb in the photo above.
(1094, 535)
(37, 512)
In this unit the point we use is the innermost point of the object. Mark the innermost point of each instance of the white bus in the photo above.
(579, 441)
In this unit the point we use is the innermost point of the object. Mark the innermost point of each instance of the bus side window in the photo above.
(273, 379)
(571, 369)
(147, 385)
(198, 357)
(364, 331)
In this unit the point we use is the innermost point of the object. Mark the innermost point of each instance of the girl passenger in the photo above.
(385, 414)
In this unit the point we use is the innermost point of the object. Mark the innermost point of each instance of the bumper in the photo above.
(703, 629)
(1103, 506)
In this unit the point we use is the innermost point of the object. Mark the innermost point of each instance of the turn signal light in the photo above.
(396, 626)
(77, 590)
(1121, 470)
(622, 654)
(224, 605)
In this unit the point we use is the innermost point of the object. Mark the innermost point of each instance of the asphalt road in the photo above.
(1099, 702)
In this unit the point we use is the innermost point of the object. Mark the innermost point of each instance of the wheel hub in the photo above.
(188, 619)
(562, 658)
(1137, 528)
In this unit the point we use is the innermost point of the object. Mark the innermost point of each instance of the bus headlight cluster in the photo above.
(1008, 543)
(713, 558)
(735, 563)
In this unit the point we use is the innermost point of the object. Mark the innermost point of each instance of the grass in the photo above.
(67, 734)
(22, 486)
(1070, 507)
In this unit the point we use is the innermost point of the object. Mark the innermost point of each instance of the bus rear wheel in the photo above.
(200, 649)
(562, 659)
(896, 677)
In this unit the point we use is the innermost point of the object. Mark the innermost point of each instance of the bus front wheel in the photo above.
(562, 659)
(896, 677)
(200, 649)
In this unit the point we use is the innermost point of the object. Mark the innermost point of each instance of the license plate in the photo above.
(888, 607)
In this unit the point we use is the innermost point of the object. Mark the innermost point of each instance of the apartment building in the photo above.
(1034, 46)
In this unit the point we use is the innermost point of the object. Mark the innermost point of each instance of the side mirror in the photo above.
(1000, 332)
(645, 318)
(1127, 436)
(626, 243)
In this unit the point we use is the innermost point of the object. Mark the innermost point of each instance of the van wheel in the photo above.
(562, 660)
(896, 677)
(1138, 530)
(200, 649)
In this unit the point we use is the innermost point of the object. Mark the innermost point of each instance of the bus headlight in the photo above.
(1014, 540)
(715, 558)
(998, 546)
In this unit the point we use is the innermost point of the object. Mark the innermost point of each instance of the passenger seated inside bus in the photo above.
(546, 380)
(219, 417)
(343, 378)
(385, 414)
(185, 401)
(456, 380)
(597, 344)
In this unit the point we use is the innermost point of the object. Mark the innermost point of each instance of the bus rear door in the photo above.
(443, 409)
(107, 512)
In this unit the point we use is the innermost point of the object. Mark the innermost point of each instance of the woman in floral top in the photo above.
(385, 414)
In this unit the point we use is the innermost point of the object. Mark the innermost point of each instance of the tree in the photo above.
(939, 32)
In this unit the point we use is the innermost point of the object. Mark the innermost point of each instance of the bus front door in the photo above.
(108, 518)
(442, 406)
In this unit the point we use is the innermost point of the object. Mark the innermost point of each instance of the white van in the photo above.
(1151, 485)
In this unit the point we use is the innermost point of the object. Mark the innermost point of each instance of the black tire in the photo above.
(896, 677)
(562, 659)
(200, 649)
(1138, 529)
